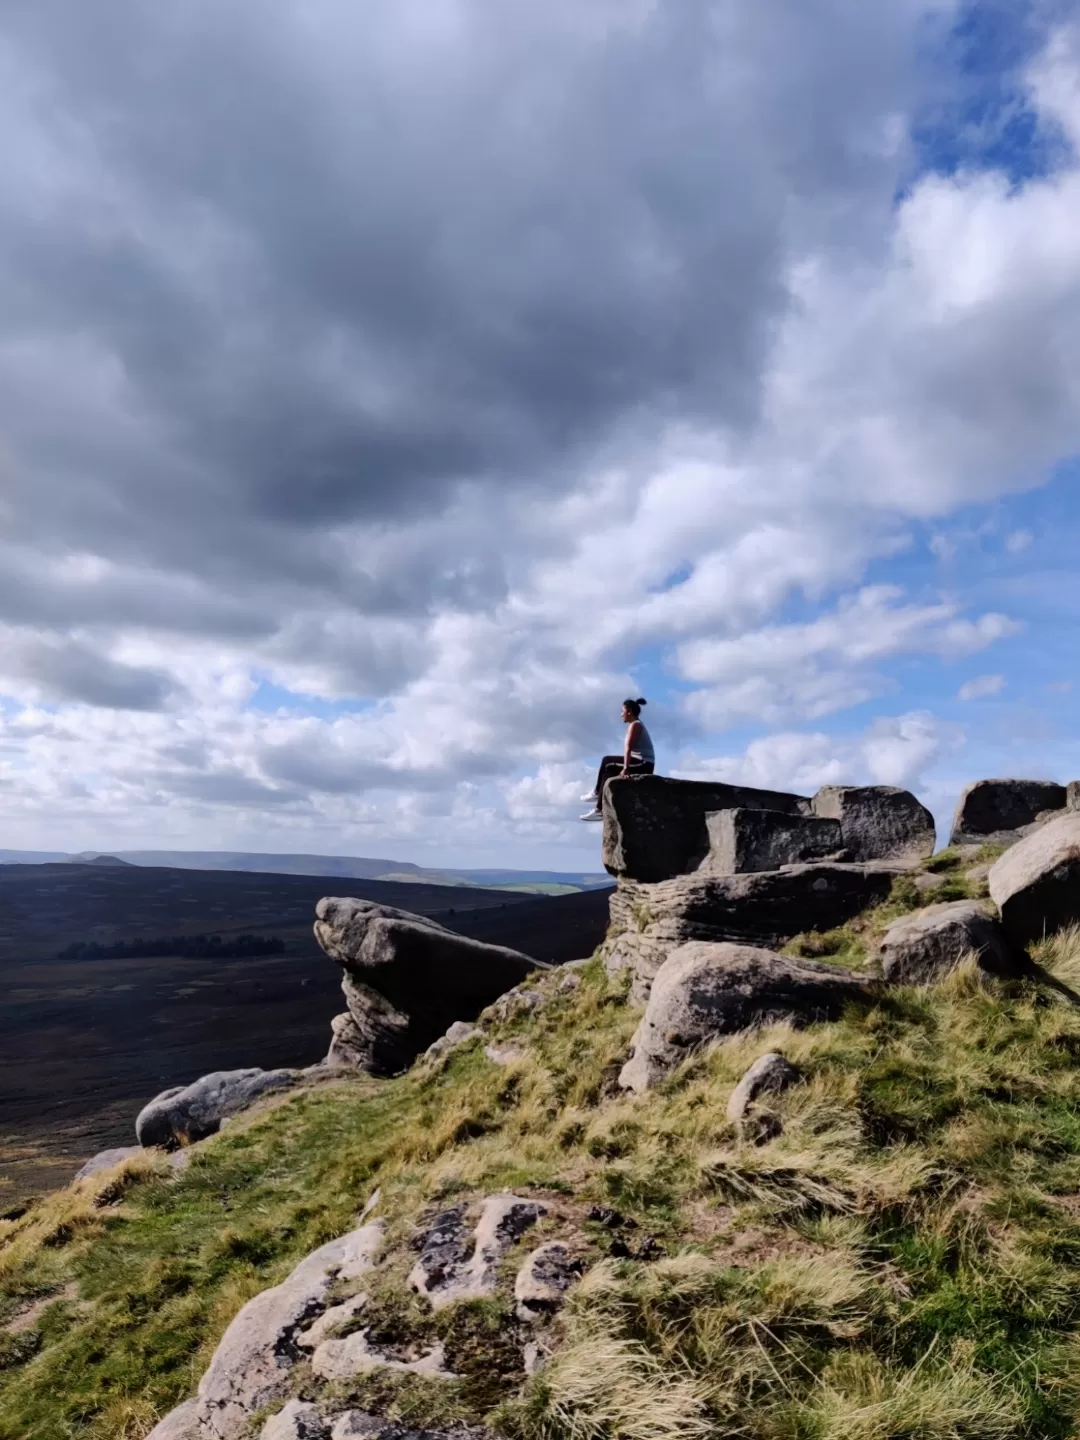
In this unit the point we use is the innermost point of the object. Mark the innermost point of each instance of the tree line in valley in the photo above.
(188, 947)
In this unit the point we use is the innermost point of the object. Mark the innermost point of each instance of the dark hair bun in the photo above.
(641, 700)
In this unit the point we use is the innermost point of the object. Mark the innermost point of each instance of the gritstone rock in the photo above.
(879, 822)
(106, 1159)
(459, 1033)
(655, 828)
(187, 1113)
(542, 1282)
(357, 1355)
(1036, 884)
(764, 908)
(179, 1424)
(704, 991)
(350, 1047)
(298, 1421)
(1000, 810)
(770, 1074)
(331, 1321)
(407, 978)
(355, 1425)
(917, 949)
(252, 1365)
(461, 1262)
(748, 840)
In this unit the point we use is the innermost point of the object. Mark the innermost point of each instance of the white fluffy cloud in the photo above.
(476, 372)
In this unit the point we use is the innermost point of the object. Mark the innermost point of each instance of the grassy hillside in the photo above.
(902, 1261)
(84, 1042)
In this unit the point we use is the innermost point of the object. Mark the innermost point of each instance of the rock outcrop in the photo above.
(1001, 811)
(459, 1260)
(106, 1159)
(741, 841)
(542, 1282)
(253, 1364)
(705, 991)
(407, 979)
(1036, 884)
(764, 908)
(188, 1113)
(179, 1424)
(919, 948)
(298, 1421)
(655, 828)
(878, 822)
(770, 1074)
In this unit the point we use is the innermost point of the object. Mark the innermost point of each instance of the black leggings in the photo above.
(612, 765)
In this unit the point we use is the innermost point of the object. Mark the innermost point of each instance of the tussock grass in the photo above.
(903, 1260)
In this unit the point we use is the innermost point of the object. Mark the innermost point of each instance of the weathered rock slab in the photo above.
(764, 908)
(106, 1159)
(356, 1355)
(1001, 810)
(770, 1074)
(407, 978)
(252, 1365)
(879, 822)
(179, 1424)
(919, 948)
(543, 1280)
(751, 840)
(331, 1321)
(459, 1033)
(459, 1261)
(705, 991)
(299, 1420)
(355, 1425)
(1036, 884)
(655, 828)
(187, 1113)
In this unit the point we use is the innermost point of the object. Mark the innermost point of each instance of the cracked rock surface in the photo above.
(459, 1262)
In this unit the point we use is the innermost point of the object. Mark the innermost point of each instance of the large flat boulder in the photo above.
(655, 828)
(879, 822)
(187, 1113)
(995, 811)
(741, 840)
(765, 908)
(1036, 884)
(703, 992)
(407, 979)
(920, 948)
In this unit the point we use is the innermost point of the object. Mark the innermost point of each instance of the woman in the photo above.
(638, 757)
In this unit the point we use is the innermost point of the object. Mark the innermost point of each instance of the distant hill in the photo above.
(358, 867)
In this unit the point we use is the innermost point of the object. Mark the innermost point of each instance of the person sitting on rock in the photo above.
(638, 757)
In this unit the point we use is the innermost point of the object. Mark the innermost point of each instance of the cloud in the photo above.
(470, 369)
(981, 686)
(894, 750)
(1018, 541)
(69, 670)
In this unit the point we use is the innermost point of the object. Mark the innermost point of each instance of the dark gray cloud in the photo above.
(268, 277)
(69, 670)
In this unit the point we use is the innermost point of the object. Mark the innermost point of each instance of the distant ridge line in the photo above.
(347, 867)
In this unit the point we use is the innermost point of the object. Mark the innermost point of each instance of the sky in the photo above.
(387, 391)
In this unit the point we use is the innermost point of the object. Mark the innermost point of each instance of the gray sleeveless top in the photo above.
(643, 747)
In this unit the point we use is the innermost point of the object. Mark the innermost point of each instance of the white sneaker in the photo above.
(593, 815)
(590, 796)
